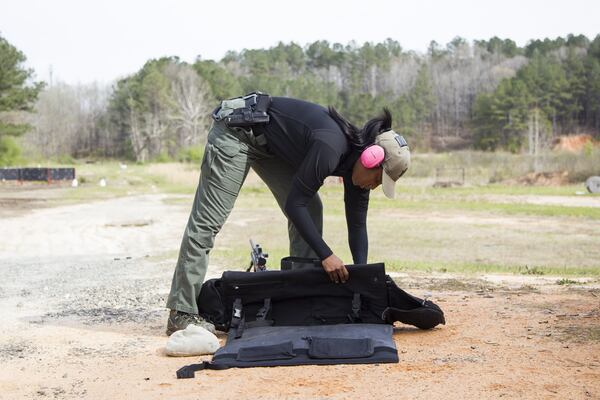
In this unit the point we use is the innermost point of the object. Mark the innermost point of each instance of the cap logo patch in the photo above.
(401, 141)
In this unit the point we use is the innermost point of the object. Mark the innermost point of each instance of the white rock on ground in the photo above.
(192, 341)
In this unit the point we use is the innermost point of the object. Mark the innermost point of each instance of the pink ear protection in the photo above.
(372, 156)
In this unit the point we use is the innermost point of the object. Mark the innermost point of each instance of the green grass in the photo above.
(478, 268)
(237, 256)
(485, 167)
(429, 245)
(413, 199)
(565, 281)
(507, 209)
(493, 189)
(136, 179)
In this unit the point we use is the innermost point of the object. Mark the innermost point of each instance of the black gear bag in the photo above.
(299, 316)
(308, 297)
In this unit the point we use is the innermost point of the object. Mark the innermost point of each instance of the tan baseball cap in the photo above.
(396, 161)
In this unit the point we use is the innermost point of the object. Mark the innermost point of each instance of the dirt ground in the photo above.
(82, 297)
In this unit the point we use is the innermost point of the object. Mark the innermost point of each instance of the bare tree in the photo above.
(55, 123)
(92, 100)
(459, 76)
(138, 140)
(66, 121)
(189, 115)
(402, 75)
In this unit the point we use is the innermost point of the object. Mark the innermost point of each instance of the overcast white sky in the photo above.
(85, 41)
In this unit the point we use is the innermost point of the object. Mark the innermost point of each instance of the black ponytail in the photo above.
(361, 138)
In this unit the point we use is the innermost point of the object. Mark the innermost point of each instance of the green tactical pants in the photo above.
(228, 156)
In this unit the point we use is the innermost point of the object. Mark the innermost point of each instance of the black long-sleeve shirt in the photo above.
(304, 135)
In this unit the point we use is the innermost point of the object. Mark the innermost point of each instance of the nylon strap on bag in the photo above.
(261, 316)
(262, 313)
(356, 305)
(237, 317)
(237, 313)
(189, 370)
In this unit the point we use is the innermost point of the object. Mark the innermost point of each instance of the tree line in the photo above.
(486, 94)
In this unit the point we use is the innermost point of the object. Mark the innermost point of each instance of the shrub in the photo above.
(191, 154)
(10, 153)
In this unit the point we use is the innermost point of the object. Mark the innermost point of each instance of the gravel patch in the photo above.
(17, 349)
(138, 301)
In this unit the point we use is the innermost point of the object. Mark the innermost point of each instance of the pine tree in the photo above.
(16, 94)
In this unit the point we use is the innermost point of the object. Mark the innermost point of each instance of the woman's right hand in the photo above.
(335, 268)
